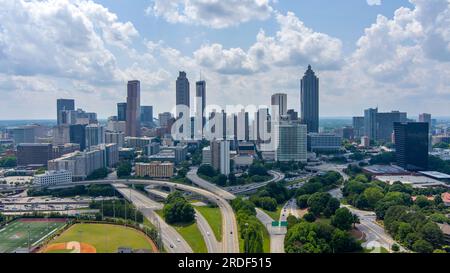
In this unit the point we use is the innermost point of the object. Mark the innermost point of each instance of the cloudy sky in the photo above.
(394, 54)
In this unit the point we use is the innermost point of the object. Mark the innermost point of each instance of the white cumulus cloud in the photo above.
(211, 13)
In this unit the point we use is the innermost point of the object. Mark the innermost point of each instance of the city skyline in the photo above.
(258, 50)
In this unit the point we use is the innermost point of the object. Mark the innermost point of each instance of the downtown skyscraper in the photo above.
(411, 145)
(309, 100)
(61, 106)
(133, 117)
(280, 100)
(201, 100)
(182, 92)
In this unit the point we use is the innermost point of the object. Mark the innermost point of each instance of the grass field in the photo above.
(214, 218)
(191, 234)
(103, 238)
(275, 215)
(27, 232)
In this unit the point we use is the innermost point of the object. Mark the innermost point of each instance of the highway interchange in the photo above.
(174, 243)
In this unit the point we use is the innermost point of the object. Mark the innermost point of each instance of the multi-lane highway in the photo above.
(230, 242)
(276, 177)
(197, 180)
(211, 242)
(172, 240)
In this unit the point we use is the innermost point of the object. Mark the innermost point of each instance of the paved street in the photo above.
(172, 240)
(230, 241)
(211, 242)
(277, 234)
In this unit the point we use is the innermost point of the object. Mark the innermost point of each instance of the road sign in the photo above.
(279, 224)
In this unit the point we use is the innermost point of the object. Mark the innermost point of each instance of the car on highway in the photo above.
(178, 240)
(207, 233)
(171, 246)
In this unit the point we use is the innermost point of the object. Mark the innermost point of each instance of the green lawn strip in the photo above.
(275, 215)
(105, 238)
(324, 220)
(191, 234)
(266, 242)
(214, 218)
(382, 250)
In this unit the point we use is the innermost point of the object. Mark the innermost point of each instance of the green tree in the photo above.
(422, 246)
(318, 202)
(207, 170)
(8, 162)
(342, 219)
(403, 230)
(253, 240)
(124, 169)
(98, 174)
(309, 217)
(292, 221)
(373, 195)
(423, 202)
(342, 242)
(432, 234)
(221, 180)
(178, 210)
(302, 201)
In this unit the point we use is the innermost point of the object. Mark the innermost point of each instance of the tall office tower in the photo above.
(243, 126)
(215, 154)
(61, 134)
(370, 123)
(63, 105)
(263, 125)
(78, 135)
(225, 157)
(147, 116)
(182, 92)
(220, 156)
(411, 145)
(133, 109)
(309, 101)
(34, 154)
(201, 100)
(385, 124)
(358, 126)
(280, 101)
(427, 119)
(293, 115)
(164, 119)
(122, 111)
(95, 135)
(291, 142)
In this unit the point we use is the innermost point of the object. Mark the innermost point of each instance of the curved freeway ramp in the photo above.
(230, 242)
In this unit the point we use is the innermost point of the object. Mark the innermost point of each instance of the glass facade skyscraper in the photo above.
(122, 111)
(63, 105)
(309, 101)
(411, 144)
(133, 127)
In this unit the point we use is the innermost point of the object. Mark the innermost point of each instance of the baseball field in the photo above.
(99, 238)
(27, 233)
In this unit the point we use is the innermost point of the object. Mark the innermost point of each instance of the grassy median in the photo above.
(191, 233)
(214, 218)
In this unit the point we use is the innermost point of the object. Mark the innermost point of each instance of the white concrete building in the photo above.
(53, 178)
